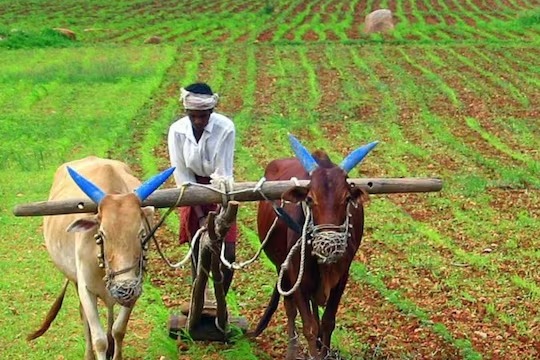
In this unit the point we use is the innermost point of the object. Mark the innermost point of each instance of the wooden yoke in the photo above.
(243, 191)
(209, 261)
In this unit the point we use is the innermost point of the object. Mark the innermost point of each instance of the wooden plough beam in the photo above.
(209, 262)
(196, 195)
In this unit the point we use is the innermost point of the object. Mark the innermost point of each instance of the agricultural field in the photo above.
(453, 92)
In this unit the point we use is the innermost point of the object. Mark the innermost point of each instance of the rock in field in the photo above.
(379, 21)
(153, 40)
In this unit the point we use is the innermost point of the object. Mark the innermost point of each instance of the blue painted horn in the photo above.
(142, 192)
(356, 156)
(308, 162)
(153, 183)
(93, 191)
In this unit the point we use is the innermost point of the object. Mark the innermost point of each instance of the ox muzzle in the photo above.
(329, 242)
(125, 292)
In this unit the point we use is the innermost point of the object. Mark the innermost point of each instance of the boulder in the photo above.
(153, 40)
(379, 21)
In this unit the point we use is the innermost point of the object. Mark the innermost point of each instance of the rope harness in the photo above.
(329, 243)
(125, 291)
(227, 195)
(301, 242)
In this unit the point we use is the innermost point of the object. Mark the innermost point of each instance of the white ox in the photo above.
(103, 253)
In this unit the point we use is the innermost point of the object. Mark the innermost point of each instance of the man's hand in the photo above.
(202, 221)
(200, 215)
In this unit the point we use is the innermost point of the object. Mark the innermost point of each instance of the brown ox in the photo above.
(102, 254)
(333, 234)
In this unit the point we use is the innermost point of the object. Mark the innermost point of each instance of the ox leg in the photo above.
(290, 309)
(110, 322)
(329, 317)
(119, 330)
(88, 351)
(315, 310)
(310, 327)
(89, 305)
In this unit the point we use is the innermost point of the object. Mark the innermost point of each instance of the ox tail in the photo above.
(51, 315)
(270, 310)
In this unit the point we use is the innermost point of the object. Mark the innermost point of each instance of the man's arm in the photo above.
(176, 156)
(225, 158)
(181, 173)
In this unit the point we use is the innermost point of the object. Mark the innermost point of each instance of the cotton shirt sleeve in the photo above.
(176, 141)
(225, 157)
(212, 155)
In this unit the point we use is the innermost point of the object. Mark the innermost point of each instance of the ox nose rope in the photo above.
(125, 292)
(237, 266)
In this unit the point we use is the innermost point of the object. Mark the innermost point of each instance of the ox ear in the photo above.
(295, 194)
(83, 224)
(148, 212)
(359, 195)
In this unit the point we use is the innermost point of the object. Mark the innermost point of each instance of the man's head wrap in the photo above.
(194, 101)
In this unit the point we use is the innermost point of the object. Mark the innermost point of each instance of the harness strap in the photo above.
(287, 219)
(279, 210)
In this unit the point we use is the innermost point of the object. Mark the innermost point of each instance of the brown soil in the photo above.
(364, 312)
(310, 35)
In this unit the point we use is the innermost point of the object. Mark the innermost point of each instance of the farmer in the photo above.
(201, 147)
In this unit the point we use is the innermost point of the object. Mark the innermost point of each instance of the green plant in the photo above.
(23, 39)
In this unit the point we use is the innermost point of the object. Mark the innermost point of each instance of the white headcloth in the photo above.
(193, 101)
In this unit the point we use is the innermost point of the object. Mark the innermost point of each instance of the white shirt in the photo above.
(213, 155)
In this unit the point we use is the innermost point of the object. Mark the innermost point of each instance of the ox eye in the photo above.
(309, 200)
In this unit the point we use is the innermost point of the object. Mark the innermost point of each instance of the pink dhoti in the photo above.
(189, 223)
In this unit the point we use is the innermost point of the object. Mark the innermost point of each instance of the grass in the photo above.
(24, 39)
(411, 89)
(27, 293)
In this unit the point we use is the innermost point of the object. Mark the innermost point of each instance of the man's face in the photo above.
(199, 118)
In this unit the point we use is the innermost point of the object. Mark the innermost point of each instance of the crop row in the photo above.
(201, 22)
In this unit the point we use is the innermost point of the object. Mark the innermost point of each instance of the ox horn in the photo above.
(90, 189)
(356, 156)
(308, 162)
(153, 183)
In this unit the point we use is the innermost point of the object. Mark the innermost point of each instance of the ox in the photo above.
(103, 254)
(331, 236)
